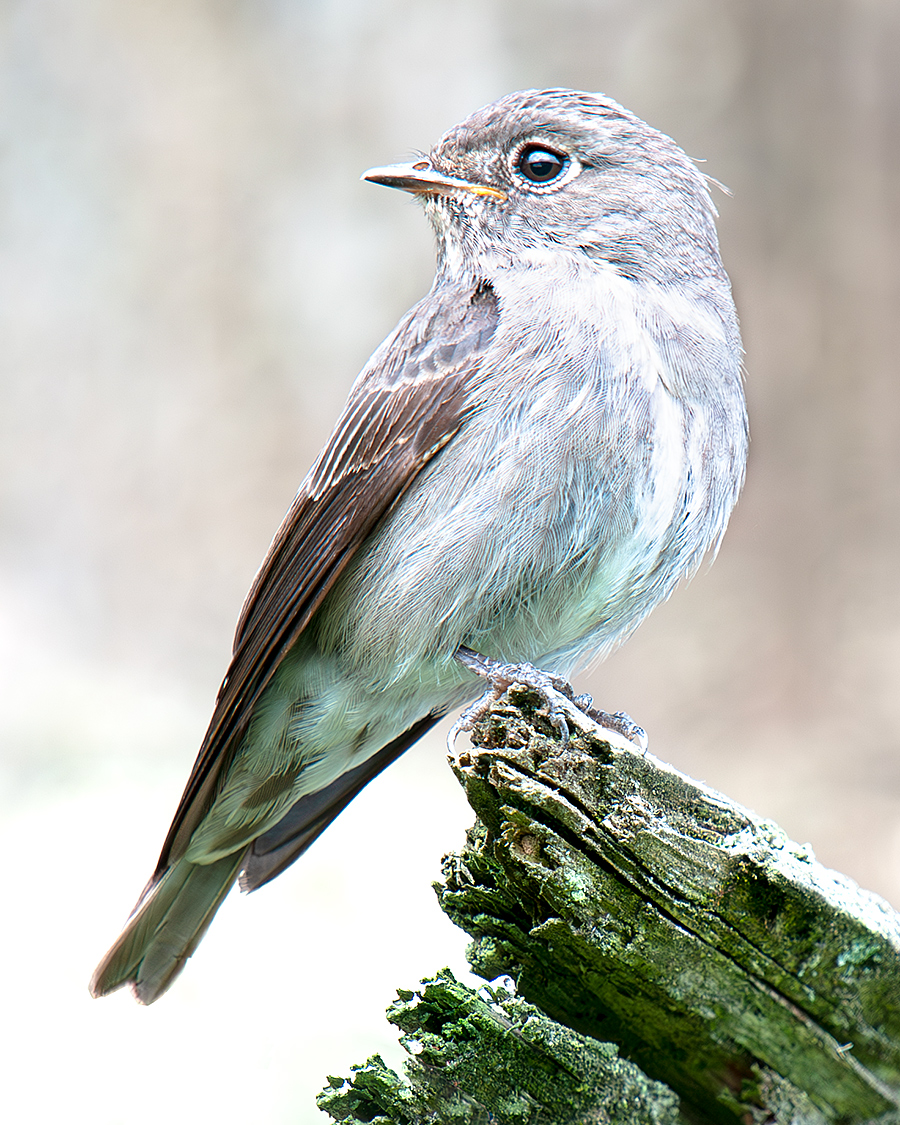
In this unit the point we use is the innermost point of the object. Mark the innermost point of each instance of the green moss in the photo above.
(651, 927)
(631, 904)
(491, 1058)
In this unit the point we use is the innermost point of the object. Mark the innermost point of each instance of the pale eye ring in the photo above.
(541, 168)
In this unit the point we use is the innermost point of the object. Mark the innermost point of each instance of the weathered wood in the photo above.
(633, 905)
(492, 1058)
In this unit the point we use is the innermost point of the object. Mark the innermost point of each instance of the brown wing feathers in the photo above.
(400, 413)
(277, 849)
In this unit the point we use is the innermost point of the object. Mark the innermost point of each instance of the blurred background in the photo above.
(191, 276)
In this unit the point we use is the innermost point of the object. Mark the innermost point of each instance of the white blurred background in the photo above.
(191, 274)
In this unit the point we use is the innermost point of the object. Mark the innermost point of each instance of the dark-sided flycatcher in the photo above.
(545, 445)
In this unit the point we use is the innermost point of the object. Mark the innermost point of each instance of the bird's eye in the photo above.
(540, 165)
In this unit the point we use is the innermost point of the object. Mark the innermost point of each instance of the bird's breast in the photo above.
(580, 489)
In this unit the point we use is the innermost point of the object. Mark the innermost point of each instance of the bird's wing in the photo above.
(405, 407)
(306, 820)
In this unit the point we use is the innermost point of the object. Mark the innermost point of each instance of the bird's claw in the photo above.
(502, 677)
(617, 721)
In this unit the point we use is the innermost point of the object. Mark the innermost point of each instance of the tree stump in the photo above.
(641, 913)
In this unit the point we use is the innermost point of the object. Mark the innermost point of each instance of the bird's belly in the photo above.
(544, 550)
(543, 543)
(563, 581)
(532, 546)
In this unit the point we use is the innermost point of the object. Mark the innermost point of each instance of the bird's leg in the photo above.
(501, 677)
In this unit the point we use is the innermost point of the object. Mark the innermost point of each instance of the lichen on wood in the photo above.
(637, 905)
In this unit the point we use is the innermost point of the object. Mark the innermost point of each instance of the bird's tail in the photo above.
(165, 928)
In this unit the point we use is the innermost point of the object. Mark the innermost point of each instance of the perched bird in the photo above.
(545, 445)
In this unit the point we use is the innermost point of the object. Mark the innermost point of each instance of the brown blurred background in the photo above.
(191, 276)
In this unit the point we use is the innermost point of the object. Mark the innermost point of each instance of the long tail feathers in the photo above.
(174, 912)
(166, 928)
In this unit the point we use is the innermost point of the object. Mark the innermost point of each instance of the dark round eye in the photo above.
(540, 165)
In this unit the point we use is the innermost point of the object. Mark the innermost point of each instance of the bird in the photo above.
(546, 445)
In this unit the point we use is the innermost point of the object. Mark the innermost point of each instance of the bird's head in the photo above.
(559, 172)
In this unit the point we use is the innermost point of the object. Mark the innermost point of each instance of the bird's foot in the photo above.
(555, 694)
(501, 677)
(617, 721)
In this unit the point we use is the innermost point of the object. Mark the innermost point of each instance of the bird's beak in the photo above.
(421, 179)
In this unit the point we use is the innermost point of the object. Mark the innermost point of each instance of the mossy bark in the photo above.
(490, 1057)
(634, 906)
